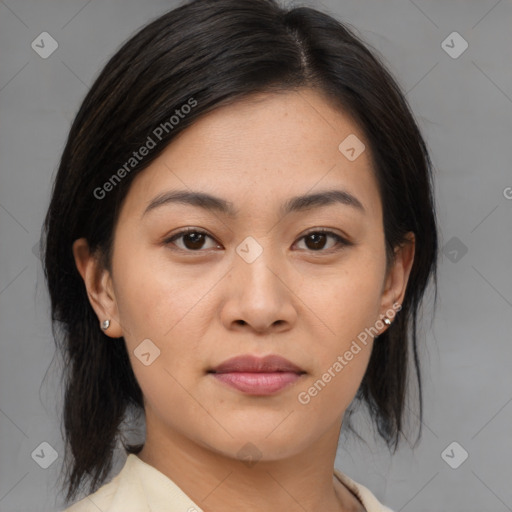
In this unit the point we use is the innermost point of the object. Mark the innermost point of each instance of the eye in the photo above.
(193, 239)
(316, 240)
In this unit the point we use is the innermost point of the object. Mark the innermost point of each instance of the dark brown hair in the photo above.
(218, 52)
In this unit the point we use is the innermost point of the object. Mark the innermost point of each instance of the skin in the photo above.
(303, 299)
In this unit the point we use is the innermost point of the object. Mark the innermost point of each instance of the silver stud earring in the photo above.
(387, 321)
(105, 324)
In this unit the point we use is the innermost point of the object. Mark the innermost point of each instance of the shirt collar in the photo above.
(143, 488)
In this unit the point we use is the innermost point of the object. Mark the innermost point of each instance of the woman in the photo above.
(239, 238)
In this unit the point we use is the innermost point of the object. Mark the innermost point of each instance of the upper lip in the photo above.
(250, 363)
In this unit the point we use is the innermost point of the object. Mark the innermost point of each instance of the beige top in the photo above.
(139, 487)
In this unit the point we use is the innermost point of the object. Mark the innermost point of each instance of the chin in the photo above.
(253, 444)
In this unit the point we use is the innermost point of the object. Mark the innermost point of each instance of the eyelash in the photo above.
(339, 239)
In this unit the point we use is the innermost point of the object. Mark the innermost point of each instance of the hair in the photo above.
(214, 53)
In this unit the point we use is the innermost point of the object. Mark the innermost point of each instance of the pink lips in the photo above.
(257, 376)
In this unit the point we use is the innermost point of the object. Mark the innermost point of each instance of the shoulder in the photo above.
(122, 492)
(100, 500)
(138, 487)
(366, 497)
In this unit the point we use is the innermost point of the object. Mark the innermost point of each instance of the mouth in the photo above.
(257, 376)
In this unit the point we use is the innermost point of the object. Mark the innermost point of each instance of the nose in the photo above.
(258, 296)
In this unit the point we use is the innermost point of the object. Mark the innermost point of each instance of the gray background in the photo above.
(464, 107)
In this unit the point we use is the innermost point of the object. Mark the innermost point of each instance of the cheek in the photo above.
(348, 307)
(328, 393)
(350, 299)
(159, 304)
(342, 363)
(155, 297)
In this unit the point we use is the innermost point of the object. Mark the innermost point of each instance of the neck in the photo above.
(217, 482)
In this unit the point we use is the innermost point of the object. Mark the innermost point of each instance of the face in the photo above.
(254, 278)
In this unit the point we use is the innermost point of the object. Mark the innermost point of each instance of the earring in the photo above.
(386, 320)
(105, 324)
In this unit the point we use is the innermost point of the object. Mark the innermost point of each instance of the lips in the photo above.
(257, 376)
(252, 364)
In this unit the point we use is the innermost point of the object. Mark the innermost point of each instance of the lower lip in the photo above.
(258, 383)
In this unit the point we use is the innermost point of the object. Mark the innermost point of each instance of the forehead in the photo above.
(263, 148)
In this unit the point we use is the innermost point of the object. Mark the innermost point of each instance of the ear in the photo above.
(398, 273)
(99, 287)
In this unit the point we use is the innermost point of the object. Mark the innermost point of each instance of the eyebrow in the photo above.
(294, 204)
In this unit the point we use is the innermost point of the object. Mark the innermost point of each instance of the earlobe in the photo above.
(98, 284)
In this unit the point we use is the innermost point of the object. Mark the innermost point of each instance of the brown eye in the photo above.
(192, 240)
(316, 241)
